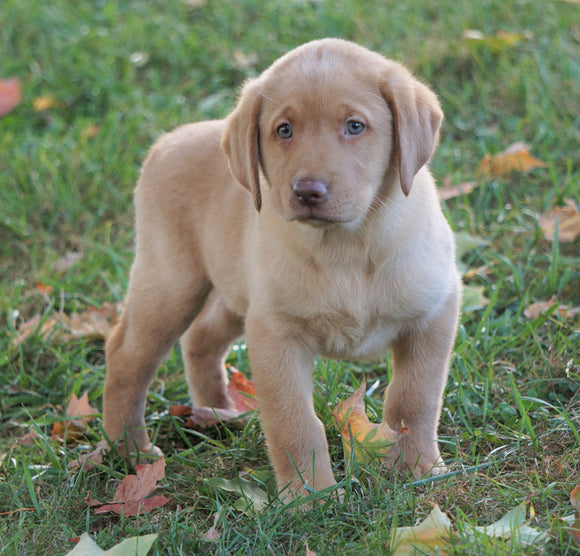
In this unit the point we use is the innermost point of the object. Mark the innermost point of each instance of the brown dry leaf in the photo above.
(370, 439)
(242, 391)
(568, 219)
(201, 418)
(449, 191)
(534, 310)
(74, 428)
(434, 532)
(32, 326)
(131, 496)
(10, 95)
(515, 158)
(94, 322)
(69, 259)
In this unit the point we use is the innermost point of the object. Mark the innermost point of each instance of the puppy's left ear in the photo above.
(241, 142)
(417, 118)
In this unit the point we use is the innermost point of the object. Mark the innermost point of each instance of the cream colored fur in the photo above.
(371, 267)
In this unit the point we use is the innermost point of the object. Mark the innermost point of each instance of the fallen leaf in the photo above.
(241, 391)
(574, 529)
(95, 322)
(41, 104)
(370, 439)
(44, 289)
(213, 534)
(201, 418)
(434, 532)
(131, 496)
(464, 243)
(72, 429)
(254, 499)
(133, 546)
(473, 298)
(449, 191)
(515, 158)
(10, 95)
(568, 219)
(93, 458)
(243, 61)
(534, 310)
(513, 524)
(69, 259)
(497, 43)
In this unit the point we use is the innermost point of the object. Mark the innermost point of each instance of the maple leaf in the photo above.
(515, 158)
(131, 496)
(434, 532)
(10, 95)
(369, 440)
(567, 219)
(242, 391)
(72, 429)
(133, 546)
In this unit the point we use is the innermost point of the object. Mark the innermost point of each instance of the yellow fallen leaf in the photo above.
(568, 219)
(369, 440)
(43, 103)
(434, 532)
(516, 158)
(495, 43)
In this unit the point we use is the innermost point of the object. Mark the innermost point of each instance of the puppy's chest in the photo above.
(344, 336)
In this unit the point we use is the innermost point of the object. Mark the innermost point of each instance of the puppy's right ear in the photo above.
(241, 141)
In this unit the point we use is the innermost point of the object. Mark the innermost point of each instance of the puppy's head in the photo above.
(324, 125)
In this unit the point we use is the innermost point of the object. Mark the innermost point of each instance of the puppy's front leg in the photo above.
(420, 367)
(282, 367)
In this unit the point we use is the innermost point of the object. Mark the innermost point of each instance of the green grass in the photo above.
(512, 403)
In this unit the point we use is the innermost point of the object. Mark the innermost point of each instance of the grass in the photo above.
(136, 69)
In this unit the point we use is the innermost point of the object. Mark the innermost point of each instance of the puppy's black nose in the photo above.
(309, 192)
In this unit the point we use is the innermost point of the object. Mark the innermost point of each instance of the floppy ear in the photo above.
(241, 141)
(417, 117)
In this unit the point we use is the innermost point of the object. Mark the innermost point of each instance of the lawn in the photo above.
(100, 82)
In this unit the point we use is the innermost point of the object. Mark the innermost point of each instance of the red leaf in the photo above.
(77, 407)
(130, 498)
(10, 95)
(242, 392)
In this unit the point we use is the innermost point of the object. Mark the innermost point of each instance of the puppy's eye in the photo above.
(353, 127)
(284, 131)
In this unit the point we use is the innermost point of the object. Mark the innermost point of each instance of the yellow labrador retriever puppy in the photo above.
(334, 245)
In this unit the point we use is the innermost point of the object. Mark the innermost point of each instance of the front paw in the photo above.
(408, 459)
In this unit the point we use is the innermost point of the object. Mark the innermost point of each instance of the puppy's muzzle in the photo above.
(310, 192)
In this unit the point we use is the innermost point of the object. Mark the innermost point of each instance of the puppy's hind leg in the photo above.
(205, 345)
(161, 303)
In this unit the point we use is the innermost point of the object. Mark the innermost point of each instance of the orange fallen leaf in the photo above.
(241, 391)
(131, 496)
(10, 95)
(370, 439)
(568, 219)
(44, 289)
(515, 158)
(74, 428)
(534, 310)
